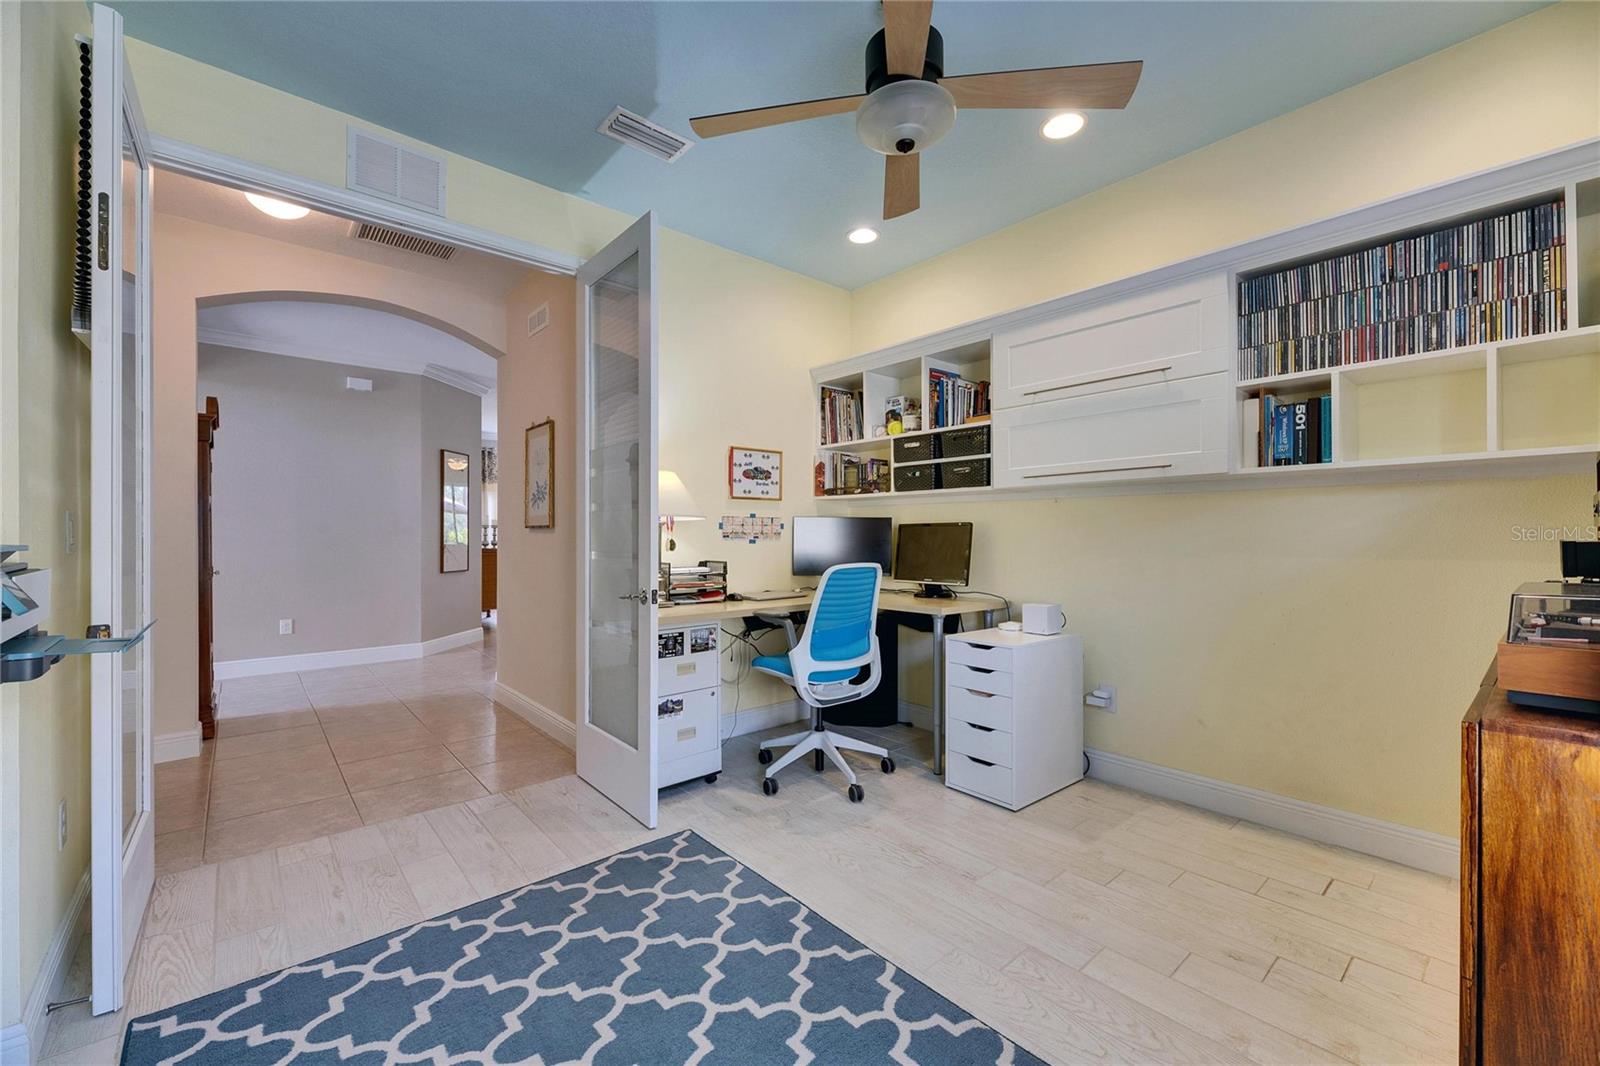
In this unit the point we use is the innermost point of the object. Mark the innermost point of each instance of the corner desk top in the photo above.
(888, 600)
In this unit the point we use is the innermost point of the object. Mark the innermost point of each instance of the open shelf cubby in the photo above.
(1549, 392)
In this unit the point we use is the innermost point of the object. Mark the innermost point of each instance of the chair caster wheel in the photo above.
(887, 764)
(711, 779)
(764, 756)
(816, 760)
(769, 786)
(856, 793)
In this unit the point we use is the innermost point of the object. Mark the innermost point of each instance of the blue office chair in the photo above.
(839, 639)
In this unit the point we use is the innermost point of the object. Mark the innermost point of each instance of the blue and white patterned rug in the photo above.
(671, 952)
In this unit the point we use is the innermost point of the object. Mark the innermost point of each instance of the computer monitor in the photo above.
(936, 555)
(821, 541)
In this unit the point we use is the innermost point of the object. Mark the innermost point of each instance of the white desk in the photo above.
(937, 611)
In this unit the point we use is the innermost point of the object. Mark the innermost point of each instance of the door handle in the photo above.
(643, 596)
(1097, 381)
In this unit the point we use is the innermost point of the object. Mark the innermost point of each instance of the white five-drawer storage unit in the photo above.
(1013, 714)
(688, 704)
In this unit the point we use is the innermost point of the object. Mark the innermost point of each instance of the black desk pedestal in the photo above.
(883, 706)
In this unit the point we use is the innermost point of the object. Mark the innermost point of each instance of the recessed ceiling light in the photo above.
(1060, 127)
(277, 208)
(863, 235)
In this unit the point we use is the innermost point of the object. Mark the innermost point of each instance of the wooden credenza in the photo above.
(491, 564)
(1530, 884)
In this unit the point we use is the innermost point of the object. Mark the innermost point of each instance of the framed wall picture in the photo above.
(539, 475)
(755, 473)
(455, 530)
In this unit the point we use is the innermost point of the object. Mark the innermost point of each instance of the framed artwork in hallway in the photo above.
(539, 475)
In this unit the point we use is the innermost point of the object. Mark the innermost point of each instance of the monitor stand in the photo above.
(931, 591)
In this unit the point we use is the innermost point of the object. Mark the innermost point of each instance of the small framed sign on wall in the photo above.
(539, 475)
(755, 473)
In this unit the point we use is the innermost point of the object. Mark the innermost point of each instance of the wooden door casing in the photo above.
(207, 423)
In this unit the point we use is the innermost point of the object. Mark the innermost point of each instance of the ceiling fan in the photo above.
(909, 104)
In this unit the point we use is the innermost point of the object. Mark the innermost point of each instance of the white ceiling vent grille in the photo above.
(366, 231)
(638, 131)
(387, 169)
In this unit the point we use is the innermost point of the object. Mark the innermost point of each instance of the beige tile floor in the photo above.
(1097, 925)
(299, 756)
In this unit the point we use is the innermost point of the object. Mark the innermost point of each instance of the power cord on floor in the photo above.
(742, 671)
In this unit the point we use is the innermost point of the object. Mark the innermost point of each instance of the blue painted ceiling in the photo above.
(522, 86)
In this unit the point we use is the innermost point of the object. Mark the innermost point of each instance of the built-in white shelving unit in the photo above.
(1136, 386)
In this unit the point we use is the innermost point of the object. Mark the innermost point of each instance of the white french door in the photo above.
(122, 820)
(617, 518)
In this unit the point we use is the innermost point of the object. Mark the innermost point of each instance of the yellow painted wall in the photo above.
(1321, 644)
(44, 472)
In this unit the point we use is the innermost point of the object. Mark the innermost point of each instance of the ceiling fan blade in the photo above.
(1093, 85)
(905, 34)
(757, 117)
(902, 186)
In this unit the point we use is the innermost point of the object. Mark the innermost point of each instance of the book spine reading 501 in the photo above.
(1483, 281)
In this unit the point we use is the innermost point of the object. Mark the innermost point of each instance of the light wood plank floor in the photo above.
(1099, 925)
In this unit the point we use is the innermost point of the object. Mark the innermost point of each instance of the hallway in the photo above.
(299, 756)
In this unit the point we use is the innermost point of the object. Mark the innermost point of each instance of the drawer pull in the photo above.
(980, 762)
(1102, 470)
(979, 728)
(981, 647)
(1096, 381)
(980, 669)
(980, 695)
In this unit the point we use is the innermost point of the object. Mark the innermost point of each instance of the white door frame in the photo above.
(122, 864)
(623, 774)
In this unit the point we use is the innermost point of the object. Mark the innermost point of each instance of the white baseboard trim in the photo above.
(451, 641)
(169, 747)
(756, 719)
(14, 1044)
(1386, 840)
(47, 983)
(323, 660)
(536, 714)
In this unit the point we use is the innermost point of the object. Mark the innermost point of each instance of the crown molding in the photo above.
(458, 379)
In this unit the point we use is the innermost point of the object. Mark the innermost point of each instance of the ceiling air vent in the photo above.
(366, 231)
(388, 169)
(641, 133)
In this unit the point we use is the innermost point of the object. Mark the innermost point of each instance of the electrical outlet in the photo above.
(1102, 697)
(285, 626)
(61, 826)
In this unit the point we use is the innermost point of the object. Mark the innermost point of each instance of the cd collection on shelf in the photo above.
(847, 474)
(1493, 279)
(841, 415)
(952, 399)
(1295, 432)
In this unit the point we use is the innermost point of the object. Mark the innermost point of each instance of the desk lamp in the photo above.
(675, 505)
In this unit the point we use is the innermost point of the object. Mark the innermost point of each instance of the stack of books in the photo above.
(1483, 281)
(847, 474)
(1295, 432)
(952, 400)
(840, 416)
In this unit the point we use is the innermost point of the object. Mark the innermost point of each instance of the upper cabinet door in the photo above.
(1166, 334)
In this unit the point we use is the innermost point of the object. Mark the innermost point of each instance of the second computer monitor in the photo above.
(936, 555)
(821, 541)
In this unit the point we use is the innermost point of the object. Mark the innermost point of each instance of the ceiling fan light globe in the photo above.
(921, 112)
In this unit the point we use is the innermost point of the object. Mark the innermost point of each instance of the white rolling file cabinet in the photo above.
(1013, 714)
(688, 704)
